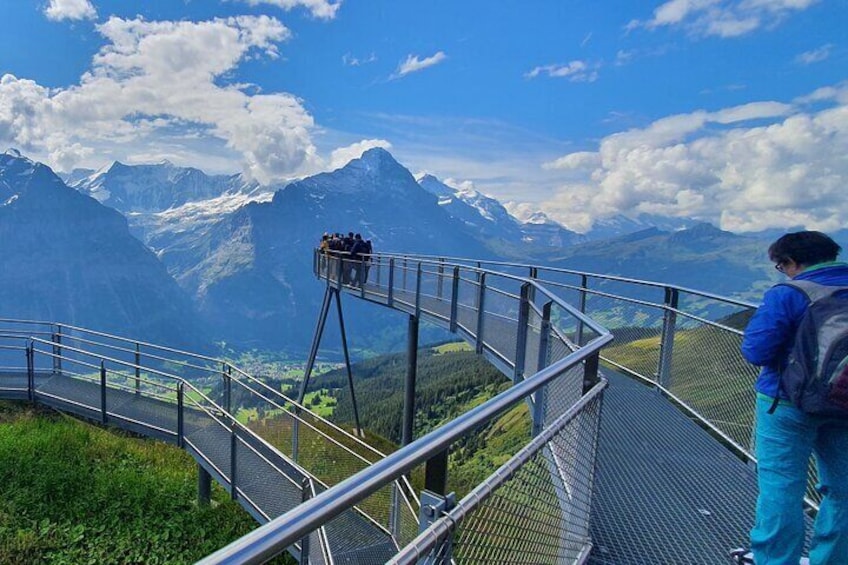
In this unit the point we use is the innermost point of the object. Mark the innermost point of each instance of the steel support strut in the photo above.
(409, 385)
(359, 431)
(329, 294)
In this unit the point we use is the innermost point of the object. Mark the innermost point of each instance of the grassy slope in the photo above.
(74, 493)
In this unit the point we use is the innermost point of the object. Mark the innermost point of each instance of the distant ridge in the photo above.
(64, 257)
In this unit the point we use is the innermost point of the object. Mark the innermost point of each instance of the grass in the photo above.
(71, 492)
(452, 347)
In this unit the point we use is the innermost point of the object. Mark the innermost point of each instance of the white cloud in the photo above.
(58, 10)
(746, 168)
(344, 155)
(722, 18)
(575, 71)
(815, 55)
(167, 79)
(352, 61)
(319, 8)
(413, 64)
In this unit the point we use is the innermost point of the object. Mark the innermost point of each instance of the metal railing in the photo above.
(530, 335)
(200, 403)
(544, 328)
(683, 341)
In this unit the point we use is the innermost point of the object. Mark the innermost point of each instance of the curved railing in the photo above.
(550, 351)
(203, 405)
(683, 341)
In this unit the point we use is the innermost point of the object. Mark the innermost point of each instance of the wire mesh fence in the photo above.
(534, 509)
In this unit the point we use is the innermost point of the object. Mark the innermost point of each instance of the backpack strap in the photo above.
(813, 290)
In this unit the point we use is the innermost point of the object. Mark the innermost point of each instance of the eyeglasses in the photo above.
(779, 267)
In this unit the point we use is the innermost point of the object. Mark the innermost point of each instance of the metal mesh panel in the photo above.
(637, 329)
(326, 455)
(710, 376)
(467, 292)
(535, 509)
(500, 332)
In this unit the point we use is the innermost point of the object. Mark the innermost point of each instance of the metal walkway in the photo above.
(661, 471)
(666, 490)
(264, 480)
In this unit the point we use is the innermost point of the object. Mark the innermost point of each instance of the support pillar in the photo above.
(204, 486)
(359, 432)
(411, 376)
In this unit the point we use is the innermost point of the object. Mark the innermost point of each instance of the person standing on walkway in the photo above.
(785, 435)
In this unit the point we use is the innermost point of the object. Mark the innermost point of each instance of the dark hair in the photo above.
(804, 248)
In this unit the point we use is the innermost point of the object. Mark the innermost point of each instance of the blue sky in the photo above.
(731, 111)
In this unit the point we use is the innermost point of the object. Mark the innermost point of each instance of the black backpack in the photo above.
(816, 376)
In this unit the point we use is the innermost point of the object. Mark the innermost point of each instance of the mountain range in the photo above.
(65, 257)
(223, 254)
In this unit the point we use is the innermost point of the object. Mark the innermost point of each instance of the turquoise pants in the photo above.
(785, 441)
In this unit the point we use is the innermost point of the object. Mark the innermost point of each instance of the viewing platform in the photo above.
(640, 407)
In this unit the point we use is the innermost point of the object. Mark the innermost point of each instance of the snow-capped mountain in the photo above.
(480, 212)
(251, 273)
(159, 187)
(495, 226)
(168, 206)
(65, 257)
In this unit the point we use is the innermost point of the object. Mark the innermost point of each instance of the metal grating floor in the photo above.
(666, 491)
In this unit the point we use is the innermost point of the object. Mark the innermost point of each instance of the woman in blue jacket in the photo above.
(787, 436)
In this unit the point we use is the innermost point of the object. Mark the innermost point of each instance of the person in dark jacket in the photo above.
(357, 252)
(787, 437)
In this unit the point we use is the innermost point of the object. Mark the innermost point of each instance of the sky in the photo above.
(728, 111)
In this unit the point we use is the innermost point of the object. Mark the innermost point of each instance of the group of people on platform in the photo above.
(355, 253)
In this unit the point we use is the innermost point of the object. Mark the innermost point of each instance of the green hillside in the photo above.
(71, 492)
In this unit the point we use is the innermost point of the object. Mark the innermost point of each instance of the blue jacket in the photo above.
(771, 331)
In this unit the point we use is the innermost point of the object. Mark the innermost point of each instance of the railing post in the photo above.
(138, 368)
(479, 275)
(57, 350)
(180, 414)
(454, 308)
(540, 396)
(441, 278)
(590, 372)
(360, 277)
(390, 298)
(481, 310)
(521, 337)
(227, 375)
(102, 392)
(667, 340)
(233, 443)
(534, 274)
(306, 492)
(30, 356)
(433, 507)
(436, 473)
(584, 284)
(339, 270)
(418, 290)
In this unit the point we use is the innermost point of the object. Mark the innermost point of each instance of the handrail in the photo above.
(641, 282)
(269, 539)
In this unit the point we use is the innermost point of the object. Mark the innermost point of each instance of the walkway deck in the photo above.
(666, 491)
